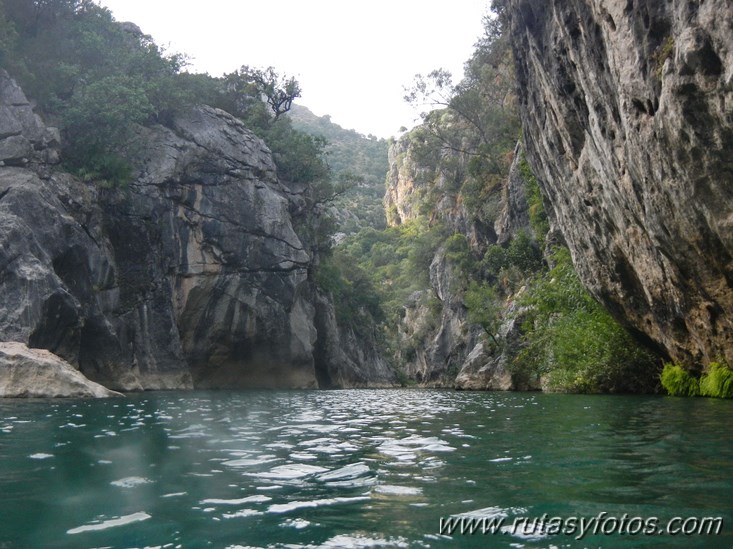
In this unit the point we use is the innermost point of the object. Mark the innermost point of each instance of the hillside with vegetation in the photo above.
(98, 79)
(360, 161)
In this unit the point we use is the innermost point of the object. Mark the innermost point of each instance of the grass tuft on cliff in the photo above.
(716, 381)
(678, 382)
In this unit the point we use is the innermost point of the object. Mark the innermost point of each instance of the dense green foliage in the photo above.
(397, 259)
(678, 382)
(716, 381)
(484, 308)
(99, 80)
(573, 342)
(358, 303)
(350, 154)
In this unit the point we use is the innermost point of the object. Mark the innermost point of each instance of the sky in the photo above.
(351, 58)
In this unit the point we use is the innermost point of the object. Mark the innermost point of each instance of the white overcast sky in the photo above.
(352, 58)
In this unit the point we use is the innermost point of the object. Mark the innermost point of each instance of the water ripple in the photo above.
(349, 468)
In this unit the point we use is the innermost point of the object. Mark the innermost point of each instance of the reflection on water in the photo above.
(369, 468)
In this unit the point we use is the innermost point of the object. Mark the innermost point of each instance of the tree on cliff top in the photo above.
(248, 85)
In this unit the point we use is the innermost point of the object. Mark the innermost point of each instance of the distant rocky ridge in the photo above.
(192, 276)
(627, 111)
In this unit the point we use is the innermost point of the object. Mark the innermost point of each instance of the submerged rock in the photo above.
(37, 373)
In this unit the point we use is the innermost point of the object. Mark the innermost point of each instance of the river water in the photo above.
(363, 468)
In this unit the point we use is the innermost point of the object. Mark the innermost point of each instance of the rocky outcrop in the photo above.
(434, 334)
(426, 180)
(627, 109)
(514, 212)
(208, 257)
(191, 275)
(407, 183)
(488, 366)
(37, 373)
(24, 138)
(481, 371)
(345, 357)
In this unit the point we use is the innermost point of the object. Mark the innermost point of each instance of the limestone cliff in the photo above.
(194, 275)
(438, 345)
(627, 111)
(421, 181)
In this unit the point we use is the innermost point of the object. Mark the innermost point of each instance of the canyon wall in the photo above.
(627, 114)
(192, 275)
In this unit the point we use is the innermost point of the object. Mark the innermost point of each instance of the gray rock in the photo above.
(482, 371)
(209, 259)
(412, 177)
(435, 336)
(626, 110)
(488, 367)
(344, 358)
(192, 275)
(514, 214)
(15, 149)
(131, 28)
(23, 136)
(37, 373)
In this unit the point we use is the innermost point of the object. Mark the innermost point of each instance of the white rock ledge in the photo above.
(37, 373)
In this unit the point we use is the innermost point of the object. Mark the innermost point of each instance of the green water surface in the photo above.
(361, 468)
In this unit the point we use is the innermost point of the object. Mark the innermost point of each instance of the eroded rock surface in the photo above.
(191, 275)
(208, 256)
(37, 373)
(627, 110)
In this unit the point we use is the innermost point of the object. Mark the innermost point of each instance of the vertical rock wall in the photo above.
(193, 275)
(627, 110)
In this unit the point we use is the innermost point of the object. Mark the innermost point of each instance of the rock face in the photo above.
(345, 358)
(192, 275)
(58, 277)
(514, 214)
(627, 109)
(438, 347)
(488, 368)
(435, 335)
(208, 257)
(481, 372)
(419, 183)
(37, 373)
(24, 138)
